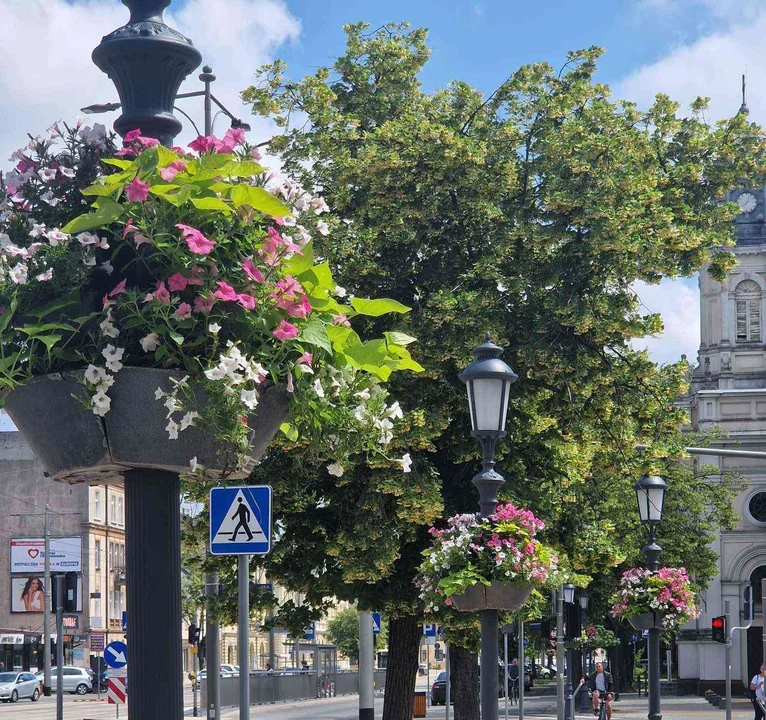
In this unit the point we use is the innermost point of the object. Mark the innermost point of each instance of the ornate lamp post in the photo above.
(650, 493)
(584, 599)
(568, 591)
(488, 380)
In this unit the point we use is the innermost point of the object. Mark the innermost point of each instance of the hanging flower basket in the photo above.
(492, 597)
(75, 445)
(646, 621)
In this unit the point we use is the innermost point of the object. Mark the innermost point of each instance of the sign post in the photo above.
(240, 524)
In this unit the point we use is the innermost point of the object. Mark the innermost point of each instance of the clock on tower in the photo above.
(751, 227)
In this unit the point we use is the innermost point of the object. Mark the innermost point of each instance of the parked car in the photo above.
(232, 670)
(439, 688)
(76, 679)
(17, 685)
(543, 671)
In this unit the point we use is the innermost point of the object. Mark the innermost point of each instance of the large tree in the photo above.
(529, 213)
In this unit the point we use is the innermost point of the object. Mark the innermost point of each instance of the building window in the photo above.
(757, 507)
(748, 299)
(97, 515)
(97, 554)
(755, 578)
(120, 510)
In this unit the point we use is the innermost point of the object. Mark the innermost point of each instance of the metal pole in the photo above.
(59, 647)
(669, 663)
(207, 77)
(243, 637)
(727, 656)
(569, 701)
(505, 666)
(447, 698)
(195, 667)
(212, 652)
(559, 599)
(428, 671)
(366, 668)
(652, 551)
(763, 638)
(523, 669)
(490, 684)
(47, 609)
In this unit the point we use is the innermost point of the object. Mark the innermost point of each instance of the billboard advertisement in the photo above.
(28, 555)
(28, 594)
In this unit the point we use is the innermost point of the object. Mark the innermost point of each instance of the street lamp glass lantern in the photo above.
(569, 593)
(584, 598)
(650, 493)
(488, 380)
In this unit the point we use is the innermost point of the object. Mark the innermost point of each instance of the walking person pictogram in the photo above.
(242, 515)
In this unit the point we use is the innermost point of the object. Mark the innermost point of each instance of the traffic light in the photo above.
(719, 629)
(193, 635)
(70, 592)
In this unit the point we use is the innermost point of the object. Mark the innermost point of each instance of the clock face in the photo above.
(747, 202)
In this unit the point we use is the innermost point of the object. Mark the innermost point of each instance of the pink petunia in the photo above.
(197, 276)
(129, 228)
(300, 309)
(132, 135)
(204, 303)
(246, 301)
(307, 359)
(234, 137)
(137, 191)
(226, 292)
(341, 320)
(252, 271)
(169, 172)
(197, 242)
(177, 282)
(205, 144)
(119, 288)
(285, 331)
(183, 310)
(126, 152)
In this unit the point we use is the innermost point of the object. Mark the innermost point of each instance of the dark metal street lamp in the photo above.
(568, 591)
(488, 380)
(650, 493)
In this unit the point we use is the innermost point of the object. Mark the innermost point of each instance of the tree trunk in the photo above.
(403, 643)
(464, 673)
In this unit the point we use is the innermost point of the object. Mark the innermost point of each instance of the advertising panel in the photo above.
(27, 594)
(28, 555)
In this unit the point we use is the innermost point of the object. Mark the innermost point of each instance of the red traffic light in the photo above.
(718, 622)
(718, 627)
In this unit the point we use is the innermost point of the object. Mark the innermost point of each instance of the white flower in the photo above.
(216, 373)
(67, 172)
(87, 238)
(107, 267)
(55, 236)
(335, 469)
(94, 136)
(149, 343)
(394, 411)
(171, 404)
(101, 403)
(360, 413)
(386, 435)
(46, 276)
(193, 464)
(363, 394)
(95, 375)
(323, 228)
(107, 327)
(37, 230)
(106, 384)
(89, 260)
(19, 273)
(305, 368)
(158, 394)
(47, 174)
(339, 291)
(113, 355)
(188, 419)
(319, 205)
(318, 389)
(172, 428)
(214, 328)
(250, 398)
(48, 198)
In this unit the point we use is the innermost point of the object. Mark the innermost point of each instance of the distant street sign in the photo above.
(97, 642)
(311, 633)
(116, 654)
(376, 623)
(115, 691)
(240, 520)
(124, 621)
(429, 630)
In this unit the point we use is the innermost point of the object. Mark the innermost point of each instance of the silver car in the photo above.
(76, 679)
(17, 685)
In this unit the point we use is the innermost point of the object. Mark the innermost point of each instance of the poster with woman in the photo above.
(27, 594)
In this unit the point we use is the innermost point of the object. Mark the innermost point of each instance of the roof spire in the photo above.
(744, 109)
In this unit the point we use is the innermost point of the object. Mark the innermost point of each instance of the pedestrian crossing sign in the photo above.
(240, 520)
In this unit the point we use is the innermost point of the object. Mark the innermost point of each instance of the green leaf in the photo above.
(165, 156)
(48, 340)
(289, 430)
(242, 168)
(259, 199)
(211, 203)
(399, 338)
(106, 213)
(118, 162)
(107, 185)
(160, 352)
(300, 263)
(315, 333)
(35, 330)
(71, 299)
(342, 337)
(177, 337)
(5, 318)
(371, 354)
(163, 189)
(375, 308)
(319, 276)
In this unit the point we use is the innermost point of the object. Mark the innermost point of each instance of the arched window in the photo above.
(755, 578)
(748, 298)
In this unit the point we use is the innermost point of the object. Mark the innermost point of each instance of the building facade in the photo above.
(729, 391)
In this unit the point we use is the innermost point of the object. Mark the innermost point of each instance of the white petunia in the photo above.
(149, 343)
(216, 373)
(214, 328)
(360, 413)
(339, 291)
(101, 403)
(394, 411)
(188, 419)
(113, 355)
(46, 276)
(335, 469)
(193, 464)
(406, 462)
(323, 228)
(158, 394)
(87, 238)
(250, 398)
(307, 369)
(49, 198)
(172, 428)
(318, 389)
(95, 375)
(89, 260)
(108, 328)
(107, 267)
(47, 174)
(67, 172)
(363, 394)
(19, 273)
(38, 229)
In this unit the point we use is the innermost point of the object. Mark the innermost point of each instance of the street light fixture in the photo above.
(650, 494)
(584, 599)
(488, 380)
(569, 593)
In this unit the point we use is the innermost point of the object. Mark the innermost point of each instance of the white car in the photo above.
(17, 685)
(76, 679)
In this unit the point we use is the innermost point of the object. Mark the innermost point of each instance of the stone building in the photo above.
(729, 391)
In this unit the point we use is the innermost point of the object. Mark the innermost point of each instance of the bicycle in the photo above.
(601, 704)
(513, 690)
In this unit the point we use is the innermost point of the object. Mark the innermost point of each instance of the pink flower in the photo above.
(137, 191)
(341, 320)
(252, 271)
(246, 301)
(183, 310)
(132, 135)
(308, 359)
(161, 294)
(119, 288)
(197, 242)
(226, 292)
(234, 137)
(196, 276)
(255, 154)
(126, 152)
(129, 228)
(204, 303)
(300, 309)
(169, 172)
(285, 331)
(178, 282)
(206, 144)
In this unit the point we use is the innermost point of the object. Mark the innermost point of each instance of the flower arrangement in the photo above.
(595, 636)
(191, 259)
(500, 549)
(667, 591)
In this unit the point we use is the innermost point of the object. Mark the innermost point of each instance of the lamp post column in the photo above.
(652, 552)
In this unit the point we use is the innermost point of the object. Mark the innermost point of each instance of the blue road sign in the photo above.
(376, 623)
(311, 633)
(240, 520)
(429, 630)
(124, 621)
(116, 654)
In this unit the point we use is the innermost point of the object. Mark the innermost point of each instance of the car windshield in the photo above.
(7, 677)
(442, 677)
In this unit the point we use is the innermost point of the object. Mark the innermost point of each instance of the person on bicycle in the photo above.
(600, 684)
(758, 696)
(513, 678)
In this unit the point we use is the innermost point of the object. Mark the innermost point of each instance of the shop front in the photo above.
(21, 651)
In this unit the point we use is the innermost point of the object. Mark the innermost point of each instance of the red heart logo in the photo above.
(33, 552)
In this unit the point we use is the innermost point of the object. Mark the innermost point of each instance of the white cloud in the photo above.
(46, 72)
(678, 303)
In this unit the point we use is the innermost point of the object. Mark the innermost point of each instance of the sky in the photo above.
(683, 47)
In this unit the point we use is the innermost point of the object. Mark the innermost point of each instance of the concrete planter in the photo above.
(492, 597)
(646, 621)
(76, 446)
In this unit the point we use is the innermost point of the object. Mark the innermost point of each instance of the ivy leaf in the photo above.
(376, 308)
